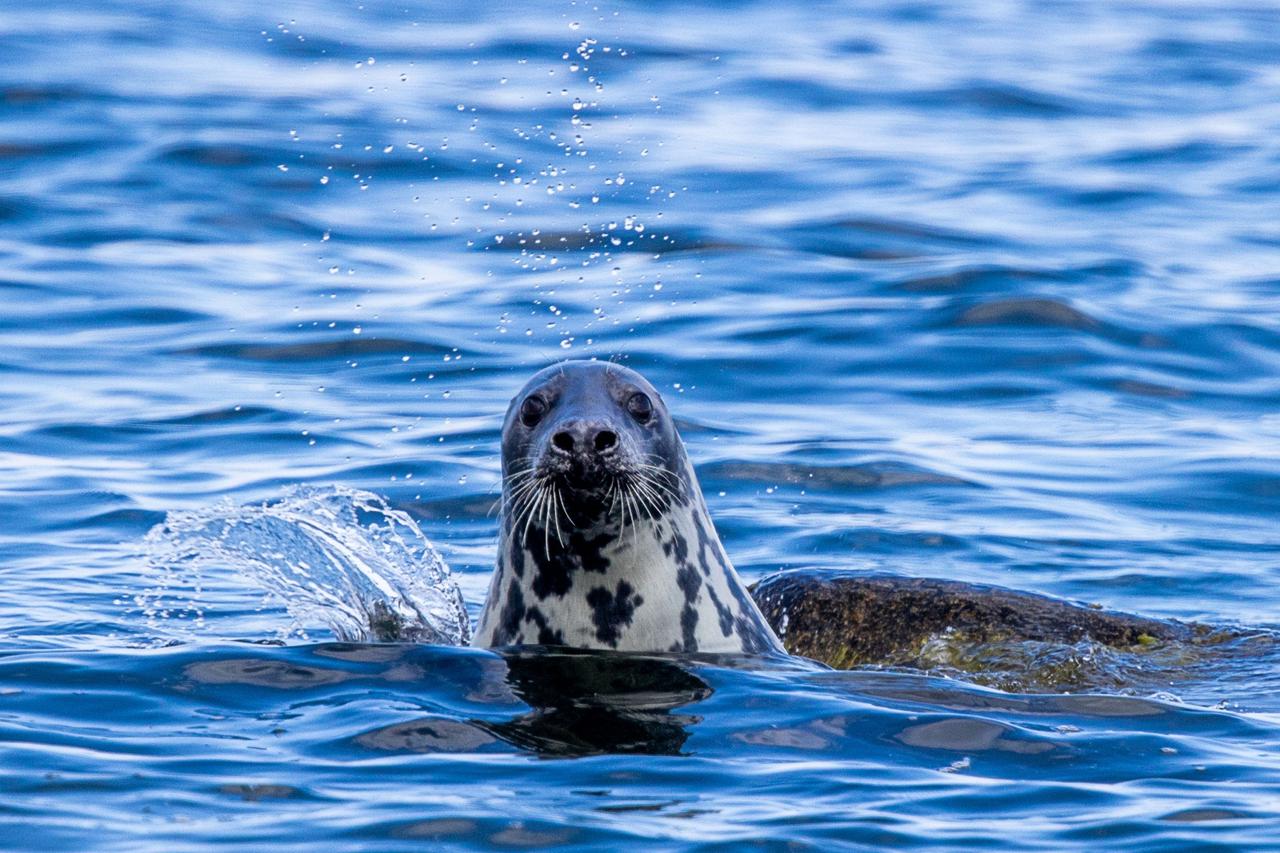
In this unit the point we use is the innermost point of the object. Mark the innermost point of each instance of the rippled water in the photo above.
(988, 292)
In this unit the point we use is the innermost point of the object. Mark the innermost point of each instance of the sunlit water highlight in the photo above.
(986, 292)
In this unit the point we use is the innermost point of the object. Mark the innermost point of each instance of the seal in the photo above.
(605, 541)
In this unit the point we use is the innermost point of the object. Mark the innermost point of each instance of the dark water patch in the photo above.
(915, 231)
(136, 520)
(618, 239)
(319, 350)
(26, 96)
(222, 156)
(1113, 196)
(872, 239)
(1032, 312)
(121, 316)
(94, 434)
(874, 475)
(233, 414)
(428, 735)
(252, 792)
(85, 238)
(1191, 152)
(1000, 97)
(63, 506)
(1201, 815)
(849, 545)
(1150, 389)
(856, 46)
(975, 279)
(11, 284)
(823, 96)
(31, 151)
(462, 508)
(1212, 52)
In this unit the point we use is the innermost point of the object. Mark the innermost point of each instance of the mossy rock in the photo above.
(848, 619)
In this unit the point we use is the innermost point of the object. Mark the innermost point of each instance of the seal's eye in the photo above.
(640, 407)
(532, 410)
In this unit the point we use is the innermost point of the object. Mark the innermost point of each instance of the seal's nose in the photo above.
(581, 438)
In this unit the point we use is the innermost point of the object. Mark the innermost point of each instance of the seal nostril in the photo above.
(605, 440)
(563, 440)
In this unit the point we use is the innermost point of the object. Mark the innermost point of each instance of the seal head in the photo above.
(606, 541)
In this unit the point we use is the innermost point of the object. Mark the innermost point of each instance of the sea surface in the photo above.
(985, 291)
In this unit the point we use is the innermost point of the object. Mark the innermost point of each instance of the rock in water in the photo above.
(848, 619)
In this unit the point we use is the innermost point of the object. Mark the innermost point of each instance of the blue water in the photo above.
(983, 291)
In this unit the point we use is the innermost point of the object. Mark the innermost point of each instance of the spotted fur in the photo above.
(655, 581)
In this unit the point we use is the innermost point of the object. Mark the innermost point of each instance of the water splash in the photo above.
(333, 556)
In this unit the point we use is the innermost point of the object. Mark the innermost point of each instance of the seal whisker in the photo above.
(533, 508)
(659, 473)
(557, 503)
(647, 497)
(657, 457)
(518, 488)
(622, 508)
(629, 501)
(546, 522)
(644, 503)
(658, 492)
(516, 511)
(517, 500)
(615, 491)
(523, 489)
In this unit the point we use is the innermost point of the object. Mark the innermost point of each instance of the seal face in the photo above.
(606, 541)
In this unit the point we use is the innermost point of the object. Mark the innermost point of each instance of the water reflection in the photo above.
(580, 703)
(592, 703)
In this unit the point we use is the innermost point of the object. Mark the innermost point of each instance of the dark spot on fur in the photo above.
(689, 582)
(517, 560)
(556, 562)
(708, 542)
(677, 546)
(546, 636)
(554, 575)
(722, 611)
(689, 628)
(512, 615)
(612, 612)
